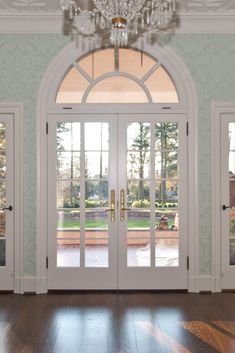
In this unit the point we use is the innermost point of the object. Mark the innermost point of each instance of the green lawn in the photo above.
(142, 223)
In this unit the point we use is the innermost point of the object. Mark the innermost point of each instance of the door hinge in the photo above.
(187, 262)
(47, 262)
(187, 128)
(47, 128)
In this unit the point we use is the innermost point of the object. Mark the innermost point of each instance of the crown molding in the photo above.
(210, 22)
(52, 22)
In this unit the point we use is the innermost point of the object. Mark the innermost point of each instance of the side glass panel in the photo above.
(96, 194)
(68, 194)
(3, 176)
(232, 192)
(166, 195)
(138, 194)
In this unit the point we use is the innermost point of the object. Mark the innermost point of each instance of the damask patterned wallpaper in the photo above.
(23, 60)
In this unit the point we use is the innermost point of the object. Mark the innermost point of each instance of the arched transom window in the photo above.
(117, 76)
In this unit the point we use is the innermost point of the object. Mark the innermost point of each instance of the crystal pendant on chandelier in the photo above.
(119, 32)
(120, 16)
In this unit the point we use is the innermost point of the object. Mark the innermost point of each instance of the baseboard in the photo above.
(204, 284)
(216, 284)
(18, 286)
(193, 285)
(208, 283)
(29, 285)
(41, 285)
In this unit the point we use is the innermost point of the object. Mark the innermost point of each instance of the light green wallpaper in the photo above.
(23, 60)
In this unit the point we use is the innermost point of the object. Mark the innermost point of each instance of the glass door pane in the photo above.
(68, 194)
(138, 194)
(96, 194)
(231, 170)
(166, 195)
(3, 184)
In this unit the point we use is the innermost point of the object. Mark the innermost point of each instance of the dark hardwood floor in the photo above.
(117, 323)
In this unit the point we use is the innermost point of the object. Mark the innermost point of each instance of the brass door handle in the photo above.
(123, 208)
(112, 204)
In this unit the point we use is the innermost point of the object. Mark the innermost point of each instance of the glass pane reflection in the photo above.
(2, 136)
(68, 253)
(138, 253)
(138, 194)
(2, 252)
(138, 165)
(68, 194)
(167, 253)
(138, 136)
(96, 136)
(96, 165)
(68, 136)
(166, 136)
(2, 224)
(96, 253)
(68, 165)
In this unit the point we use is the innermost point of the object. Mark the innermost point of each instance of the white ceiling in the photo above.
(198, 6)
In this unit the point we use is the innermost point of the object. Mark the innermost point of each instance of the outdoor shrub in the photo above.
(141, 204)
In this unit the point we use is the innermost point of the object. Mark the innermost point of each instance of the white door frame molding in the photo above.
(217, 110)
(16, 109)
(46, 104)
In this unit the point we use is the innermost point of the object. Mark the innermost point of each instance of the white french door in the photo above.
(228, 201)
(117, 201)
(6, 203)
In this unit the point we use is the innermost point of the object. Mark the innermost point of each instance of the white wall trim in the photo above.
(52, 22)
(17, 110)
(29, 284)
(205, 283)
(46, 94)
(217, 109)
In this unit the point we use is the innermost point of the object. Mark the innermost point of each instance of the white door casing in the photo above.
(46, 104)
(221, 114)
(227, 184)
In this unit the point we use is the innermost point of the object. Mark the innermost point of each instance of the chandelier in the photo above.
(120, 17)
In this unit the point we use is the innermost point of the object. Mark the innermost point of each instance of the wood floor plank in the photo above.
(118, 323)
